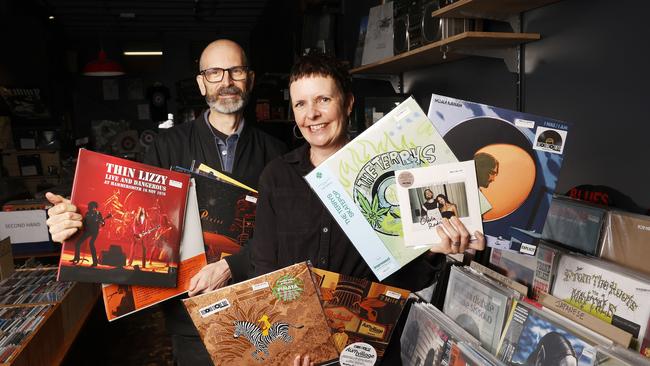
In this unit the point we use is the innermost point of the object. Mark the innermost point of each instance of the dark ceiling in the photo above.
(225, 17)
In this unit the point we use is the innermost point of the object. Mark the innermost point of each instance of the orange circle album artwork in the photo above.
(506, 184)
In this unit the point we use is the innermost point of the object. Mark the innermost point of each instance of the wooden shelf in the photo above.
(488, 9)
(55, 253)
(456, 47)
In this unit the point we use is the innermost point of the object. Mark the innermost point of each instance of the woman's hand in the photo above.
(455, 238)
(302, 361)
(64, 220)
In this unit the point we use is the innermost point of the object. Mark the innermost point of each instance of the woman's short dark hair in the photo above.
(321, 65)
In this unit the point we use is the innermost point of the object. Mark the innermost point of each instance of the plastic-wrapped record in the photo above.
(431, 26)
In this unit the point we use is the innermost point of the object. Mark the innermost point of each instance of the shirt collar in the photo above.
(300, 157)
(219, 134)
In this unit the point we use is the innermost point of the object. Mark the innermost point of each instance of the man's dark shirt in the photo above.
(293, 225)
(184, 143)
(194, 142)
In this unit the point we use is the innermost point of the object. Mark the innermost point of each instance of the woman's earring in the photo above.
(297, 134)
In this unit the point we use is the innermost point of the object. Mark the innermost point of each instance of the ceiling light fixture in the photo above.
(103, 67)
(50, 17)
(143, 53)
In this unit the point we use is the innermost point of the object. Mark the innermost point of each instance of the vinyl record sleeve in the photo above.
(359, 310)
(227, 211)
(379, 35)
(123, 300)
(131, 212)
(530, 337)
(425, 340)
(626, 240)
(469, 355)
(619, 356)
(518, 159)
(535, 272)
(612, 293)
(478, 308)
(454, 183)
(265, 320)
(357, 183)
(575, 224)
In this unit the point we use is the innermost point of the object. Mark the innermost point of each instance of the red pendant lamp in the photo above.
(103, 67)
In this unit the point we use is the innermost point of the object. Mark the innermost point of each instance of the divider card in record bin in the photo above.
(518, 158)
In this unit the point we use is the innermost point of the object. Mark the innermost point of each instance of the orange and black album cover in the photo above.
(227, 212)
(132, 223)
(266, 320)
(359, 310)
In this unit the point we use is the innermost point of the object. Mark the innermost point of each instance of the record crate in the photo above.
(46, 337)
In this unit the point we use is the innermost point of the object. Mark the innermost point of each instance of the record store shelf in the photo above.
(448, 49)
(489, 9)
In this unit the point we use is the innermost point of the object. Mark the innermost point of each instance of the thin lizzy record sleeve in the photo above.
(266, 320)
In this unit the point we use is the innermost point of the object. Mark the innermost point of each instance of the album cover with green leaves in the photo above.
(357, 183)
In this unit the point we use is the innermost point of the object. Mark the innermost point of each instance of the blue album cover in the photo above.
(532, 339)
(518, 158)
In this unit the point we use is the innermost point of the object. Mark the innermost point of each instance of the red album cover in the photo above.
(133, 219)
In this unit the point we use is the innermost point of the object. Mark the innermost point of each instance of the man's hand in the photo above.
(210, 278)
(455, 238)
(64, 220)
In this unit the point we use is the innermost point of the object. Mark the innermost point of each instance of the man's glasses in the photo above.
(215, 74)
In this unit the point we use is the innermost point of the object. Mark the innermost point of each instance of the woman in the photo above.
(292, 223)
(447, 209)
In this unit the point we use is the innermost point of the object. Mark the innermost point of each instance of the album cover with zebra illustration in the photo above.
(132, 223)
(265, 320)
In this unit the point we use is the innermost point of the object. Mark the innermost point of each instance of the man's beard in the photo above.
(227, 105)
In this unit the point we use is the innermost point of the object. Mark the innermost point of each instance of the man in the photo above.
(219, 138)
(487, 168)
(92, 221)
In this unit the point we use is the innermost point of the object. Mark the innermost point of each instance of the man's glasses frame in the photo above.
(216, 74)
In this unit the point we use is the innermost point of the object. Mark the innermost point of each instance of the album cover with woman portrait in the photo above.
(132, 223)
(531, 338)
(430, 194)
(518, 158)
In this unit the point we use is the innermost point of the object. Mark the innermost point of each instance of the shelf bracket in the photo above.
(510, 55)
(394, 80)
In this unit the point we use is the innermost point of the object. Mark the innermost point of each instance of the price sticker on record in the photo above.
(358, 354)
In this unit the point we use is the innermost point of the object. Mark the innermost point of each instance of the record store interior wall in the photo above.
(590, 69)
